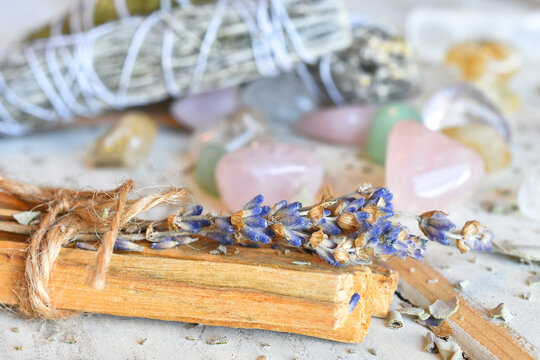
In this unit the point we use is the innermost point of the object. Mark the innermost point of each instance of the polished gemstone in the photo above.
(203, 110)
(205, 169)
(462, 104)
(426, 170)
(529, 194)
(485, 141)
(478, 58)
(127, 143)
(347, 125)
(241, 127)
(278, 171)
(282, 98)
(385, 118)
(488, 65)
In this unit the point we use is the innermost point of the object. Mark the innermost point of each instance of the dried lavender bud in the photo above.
(347, 230)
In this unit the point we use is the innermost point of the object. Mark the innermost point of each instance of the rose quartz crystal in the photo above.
(278, 171)
(203, 110)
(426, 170)
(348, 125)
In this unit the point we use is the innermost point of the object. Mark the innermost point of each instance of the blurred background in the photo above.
(437, 100)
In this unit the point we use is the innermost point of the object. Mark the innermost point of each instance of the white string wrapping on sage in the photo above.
(143, 60)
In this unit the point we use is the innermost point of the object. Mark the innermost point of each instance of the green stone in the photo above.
(205, 169)
(386, 117)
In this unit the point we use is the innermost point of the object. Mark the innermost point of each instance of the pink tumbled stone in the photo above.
(277, 171)
(347, 125)
(203, 110)
(426, 170)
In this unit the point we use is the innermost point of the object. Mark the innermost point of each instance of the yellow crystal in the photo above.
(479, 58)
(484, 140)
(488, 65)
(127, 143)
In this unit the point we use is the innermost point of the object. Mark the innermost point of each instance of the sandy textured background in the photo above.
(57, 158)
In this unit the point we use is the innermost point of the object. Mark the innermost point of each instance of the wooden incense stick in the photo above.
(247, 288)
(478, 336)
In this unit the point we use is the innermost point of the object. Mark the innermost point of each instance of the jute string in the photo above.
(67, 213)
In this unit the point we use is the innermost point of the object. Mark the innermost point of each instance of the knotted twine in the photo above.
(66, 214)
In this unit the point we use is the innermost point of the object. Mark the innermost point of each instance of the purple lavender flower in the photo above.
(435, 225)
(193, 226)
(353, 302)
(387, 238)
(288, 223)
(222, 232)
(126, 245)
(412, 246)
(170, 242)
(382, 198)
(251, 222)
(85, 246)
(327, 255)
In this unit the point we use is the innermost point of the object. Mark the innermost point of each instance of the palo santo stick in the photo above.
(385, 283)
(478, 336)
(250, 288)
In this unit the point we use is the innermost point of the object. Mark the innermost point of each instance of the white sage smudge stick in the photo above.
(143, 60)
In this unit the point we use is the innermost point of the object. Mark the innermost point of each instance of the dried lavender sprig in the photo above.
(347, 230)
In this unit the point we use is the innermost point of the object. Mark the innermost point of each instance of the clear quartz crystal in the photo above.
(529, 195)
(462, 104)
(241, 127)
(283, 98)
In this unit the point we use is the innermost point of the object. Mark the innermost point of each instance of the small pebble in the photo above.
(526, 296)
(218, 341)
(14, 329)
(261, 357)
(351, 351)
(20, 348)
(534, 280)
(442, 309)
(462, 284)
(191, 338)
(372, 351)
(141, 341)
(501, 312)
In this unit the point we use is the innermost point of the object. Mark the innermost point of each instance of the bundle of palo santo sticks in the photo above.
(275, 273)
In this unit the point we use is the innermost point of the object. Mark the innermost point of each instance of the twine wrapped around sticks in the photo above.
(67, 214)
(143, 60)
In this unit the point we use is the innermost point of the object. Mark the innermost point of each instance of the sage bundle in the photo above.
(143, 60)
(87, 14)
